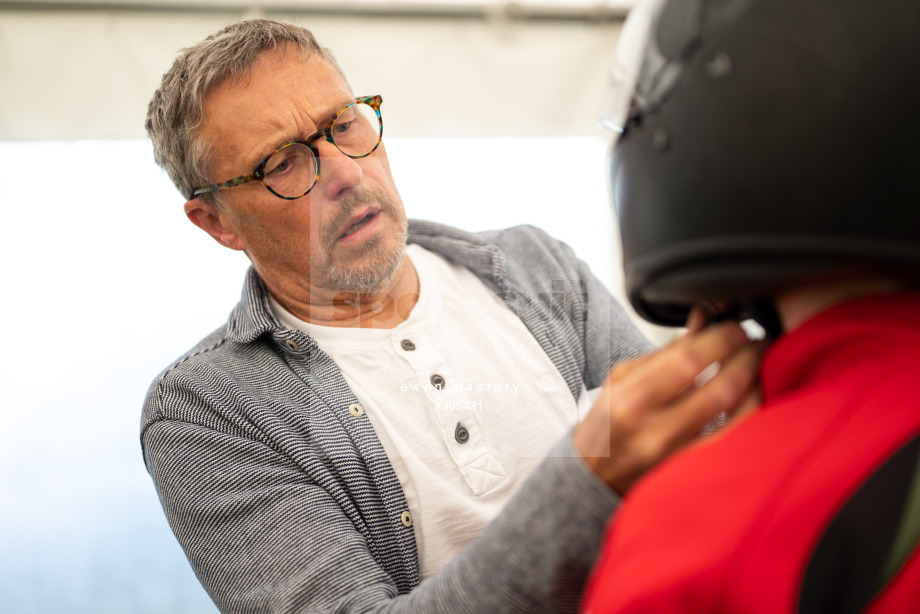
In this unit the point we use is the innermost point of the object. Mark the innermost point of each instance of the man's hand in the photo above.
(652, 406)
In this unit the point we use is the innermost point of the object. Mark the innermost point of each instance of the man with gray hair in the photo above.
(354, 438)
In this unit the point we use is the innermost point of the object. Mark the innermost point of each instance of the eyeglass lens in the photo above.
(291, 170)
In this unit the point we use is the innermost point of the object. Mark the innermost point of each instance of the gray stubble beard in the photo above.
(380, 265)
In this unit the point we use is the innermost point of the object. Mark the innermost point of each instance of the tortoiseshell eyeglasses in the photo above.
(292, 170)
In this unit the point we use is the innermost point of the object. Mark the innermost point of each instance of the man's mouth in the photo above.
(358, 224)
(364, 220)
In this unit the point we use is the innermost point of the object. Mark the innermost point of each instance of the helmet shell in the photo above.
(787, 151)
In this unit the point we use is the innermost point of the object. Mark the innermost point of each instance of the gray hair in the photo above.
(175, 112)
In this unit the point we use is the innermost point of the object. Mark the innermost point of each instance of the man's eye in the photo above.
(278, 166)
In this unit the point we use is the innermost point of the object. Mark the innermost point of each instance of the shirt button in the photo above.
(407, 345)
(292, 344)
(461, 434)
(437, 381)
(356, 410)
(406, 519)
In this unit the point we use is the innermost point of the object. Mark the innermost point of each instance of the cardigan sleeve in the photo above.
(581, 326)
(609, 336)
(262, 536)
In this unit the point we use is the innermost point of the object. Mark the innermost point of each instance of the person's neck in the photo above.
(385, 309)
(797, 305)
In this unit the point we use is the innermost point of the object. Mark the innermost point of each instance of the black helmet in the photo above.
(764, 143)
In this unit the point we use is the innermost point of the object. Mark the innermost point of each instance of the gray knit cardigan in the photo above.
(285, 501)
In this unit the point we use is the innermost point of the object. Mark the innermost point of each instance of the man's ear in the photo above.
(213, 221)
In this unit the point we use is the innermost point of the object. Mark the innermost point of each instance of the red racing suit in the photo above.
(805, 505)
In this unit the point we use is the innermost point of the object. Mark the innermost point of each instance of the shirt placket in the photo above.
(456, 414)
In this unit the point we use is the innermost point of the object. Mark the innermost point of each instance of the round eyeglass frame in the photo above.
(258, 173)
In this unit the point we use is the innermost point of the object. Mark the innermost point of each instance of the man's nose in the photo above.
(338, 172)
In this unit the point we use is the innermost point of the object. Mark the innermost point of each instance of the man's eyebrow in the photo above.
(333, 109)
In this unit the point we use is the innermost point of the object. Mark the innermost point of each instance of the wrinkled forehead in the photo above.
(280, 75)
(283, 97)
(270, 60)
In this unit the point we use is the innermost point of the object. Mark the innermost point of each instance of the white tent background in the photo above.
(490, 112)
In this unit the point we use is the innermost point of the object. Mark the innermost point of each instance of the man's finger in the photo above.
(724, 392)
(696, 321)
(660, 378)
(623, 369)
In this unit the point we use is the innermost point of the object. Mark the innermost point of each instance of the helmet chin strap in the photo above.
(764, 312)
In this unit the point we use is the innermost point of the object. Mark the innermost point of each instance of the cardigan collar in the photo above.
(253, 317)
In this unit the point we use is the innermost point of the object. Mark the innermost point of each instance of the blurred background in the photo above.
(490, 120)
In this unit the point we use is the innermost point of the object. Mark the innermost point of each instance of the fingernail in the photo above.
(694, 320)
(739, 335)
